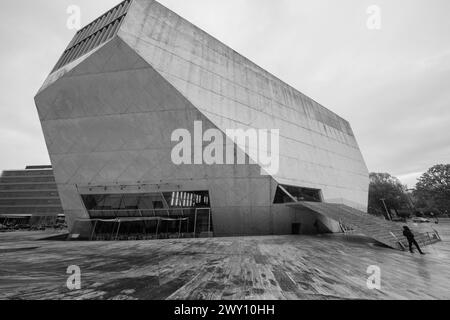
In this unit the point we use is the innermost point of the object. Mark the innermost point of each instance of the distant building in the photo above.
(129, 80)
(29, 197)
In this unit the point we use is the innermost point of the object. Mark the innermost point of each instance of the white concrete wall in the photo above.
(108, 125)
(108, 118)
(318, 148)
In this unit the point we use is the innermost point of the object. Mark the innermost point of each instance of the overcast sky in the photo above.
(392, 84)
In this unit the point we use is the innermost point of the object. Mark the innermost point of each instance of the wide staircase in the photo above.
(383, 231)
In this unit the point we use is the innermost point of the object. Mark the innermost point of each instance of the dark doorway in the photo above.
(296, 228)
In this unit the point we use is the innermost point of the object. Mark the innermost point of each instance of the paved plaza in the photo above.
(272, 267)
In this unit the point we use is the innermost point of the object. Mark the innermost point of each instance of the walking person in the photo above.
(411, 239)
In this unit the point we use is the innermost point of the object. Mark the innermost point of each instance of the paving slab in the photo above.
(271, 267)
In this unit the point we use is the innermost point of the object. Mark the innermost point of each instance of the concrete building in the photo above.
(130, 79)
(29, 197)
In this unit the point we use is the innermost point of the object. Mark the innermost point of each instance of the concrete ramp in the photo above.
(383, 231)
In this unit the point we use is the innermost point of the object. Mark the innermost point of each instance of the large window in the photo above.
(146, 216)
(289, 194)
(147, 201)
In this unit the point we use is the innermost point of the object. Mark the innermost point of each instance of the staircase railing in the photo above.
(402, 246)
(436, 234)
(346, 229)
(386, 232)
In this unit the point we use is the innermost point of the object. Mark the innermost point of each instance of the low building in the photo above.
(29, 198)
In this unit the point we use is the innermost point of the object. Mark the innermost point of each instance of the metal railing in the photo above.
(124, 213)
(346, 229)
(195, 221)
(397, 240)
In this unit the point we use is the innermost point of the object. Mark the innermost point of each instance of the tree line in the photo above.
(430, 197)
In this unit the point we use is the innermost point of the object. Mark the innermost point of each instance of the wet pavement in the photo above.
(273, 267)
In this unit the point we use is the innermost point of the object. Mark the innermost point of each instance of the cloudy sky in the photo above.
(392, 84)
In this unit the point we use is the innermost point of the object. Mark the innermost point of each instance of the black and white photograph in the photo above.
(217, 158)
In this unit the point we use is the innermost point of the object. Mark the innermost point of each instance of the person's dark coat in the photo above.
(408, 234)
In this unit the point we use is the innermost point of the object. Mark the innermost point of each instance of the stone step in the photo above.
(386, 232)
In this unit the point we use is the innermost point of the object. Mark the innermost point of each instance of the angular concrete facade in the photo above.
(108, 114)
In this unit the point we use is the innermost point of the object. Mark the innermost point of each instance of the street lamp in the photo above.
(411, 202)
(385, 207)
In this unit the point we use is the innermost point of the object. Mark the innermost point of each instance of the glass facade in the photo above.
(288, 194)
(94, 34)
(140, 216)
